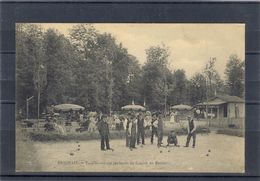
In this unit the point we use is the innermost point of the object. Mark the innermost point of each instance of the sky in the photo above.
(190, 45)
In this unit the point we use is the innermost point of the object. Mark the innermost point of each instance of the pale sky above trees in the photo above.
(190, 45)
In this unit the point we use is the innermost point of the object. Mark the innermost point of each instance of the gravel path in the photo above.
(213, 153)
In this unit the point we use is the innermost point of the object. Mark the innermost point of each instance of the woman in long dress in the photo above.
(172, 117)
(127, 130)
(133, 129)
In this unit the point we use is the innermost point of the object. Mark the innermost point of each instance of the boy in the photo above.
(172, 139)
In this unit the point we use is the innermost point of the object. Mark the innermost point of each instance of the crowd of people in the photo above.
(136, 124)
(86, 120)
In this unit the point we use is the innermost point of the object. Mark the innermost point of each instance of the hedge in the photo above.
(55, 136)
(231, 132)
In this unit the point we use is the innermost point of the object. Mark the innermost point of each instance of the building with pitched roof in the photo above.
(223, 106)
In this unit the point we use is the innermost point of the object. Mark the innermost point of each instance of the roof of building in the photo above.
(223, 99)
(228, 98)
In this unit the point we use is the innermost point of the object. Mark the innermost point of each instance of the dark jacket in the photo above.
(140, 123)
(160, 124)
(103, 128)
(133, 129)
(191, 125)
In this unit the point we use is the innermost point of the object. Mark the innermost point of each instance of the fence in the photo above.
(226, 122)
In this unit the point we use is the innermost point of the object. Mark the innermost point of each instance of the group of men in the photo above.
(136, 125)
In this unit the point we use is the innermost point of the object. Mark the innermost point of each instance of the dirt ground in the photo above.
(213, 153)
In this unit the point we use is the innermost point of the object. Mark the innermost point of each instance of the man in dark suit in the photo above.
(140, 128)
(133, 131)
(191, 132)
(160, 129)
(103, 129)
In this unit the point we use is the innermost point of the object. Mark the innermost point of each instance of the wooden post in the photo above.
(218, 117)
(27, 109)
(39, 99)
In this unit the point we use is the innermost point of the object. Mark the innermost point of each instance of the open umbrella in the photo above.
(68, 107)
(181, 107)
(133, 107)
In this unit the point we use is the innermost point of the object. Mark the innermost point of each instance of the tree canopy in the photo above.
(93, 70)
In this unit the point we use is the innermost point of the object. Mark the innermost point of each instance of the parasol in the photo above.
(133, 107)
(68, 107)
(181, 107)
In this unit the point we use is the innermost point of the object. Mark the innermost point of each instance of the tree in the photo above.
(158, 55)
(88, 68)
(30, 71)
(179, 91)
(235, 76)
(59, 59)
(102, 70)
(213, 81)
(155, 74)
(197, 88)
(83, 37)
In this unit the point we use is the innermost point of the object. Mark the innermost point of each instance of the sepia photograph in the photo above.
(130, 97)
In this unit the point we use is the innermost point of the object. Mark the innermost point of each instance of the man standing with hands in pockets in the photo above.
(104, 132)
(191, 132)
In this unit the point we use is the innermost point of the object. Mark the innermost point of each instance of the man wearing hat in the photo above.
(127, 126)
(160, 129)
(140, 128)
(103, 129)
(154, 126)
(191, 132)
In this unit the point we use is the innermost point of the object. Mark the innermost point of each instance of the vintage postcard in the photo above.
(122, 97)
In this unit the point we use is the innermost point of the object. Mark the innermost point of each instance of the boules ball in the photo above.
(209, 150)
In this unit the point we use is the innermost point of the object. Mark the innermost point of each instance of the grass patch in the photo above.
(55, 136)
(231, 132)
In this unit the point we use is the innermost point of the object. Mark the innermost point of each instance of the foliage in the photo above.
(214, 83)
(179, 88)
(59, 61)
(197, 88)
(155, 77)
(93, 70)
(235, 76)
(29, 56)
